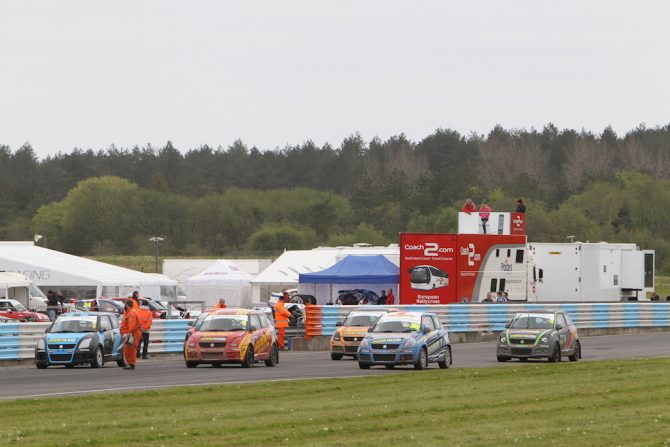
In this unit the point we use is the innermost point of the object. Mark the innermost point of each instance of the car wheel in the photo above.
(502, 358)
(422, 361)
(363, 365)
(389, 366)
(555, 356)
(191, 364)
(576, 353)
(248, 358)
(42, 365)
(446, 362)
(98, 359)
(334, 356)
(274, 357)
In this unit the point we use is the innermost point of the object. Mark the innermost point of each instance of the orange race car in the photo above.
(352, 330)
(241, 336)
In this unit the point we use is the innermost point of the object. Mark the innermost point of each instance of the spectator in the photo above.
(135, 300)
(52, 305)
(654, 297)
(221, 304)
(60, 297)
(520, 207)
(390, 299)
(469, 206)
(383, 298)
(484, 213)
(500, 298)
(489, 298)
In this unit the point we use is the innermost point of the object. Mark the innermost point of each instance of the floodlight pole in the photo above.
(156, 240)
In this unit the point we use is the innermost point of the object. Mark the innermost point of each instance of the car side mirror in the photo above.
(426, 330)
(369, 329)
(191, 323)
(339, 323)
(252, 328)
(559, 327)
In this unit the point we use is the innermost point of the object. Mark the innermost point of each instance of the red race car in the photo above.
(17, 311)
(241, 336)
(157, 309)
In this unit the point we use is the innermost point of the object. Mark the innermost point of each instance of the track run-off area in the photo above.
(26, 381)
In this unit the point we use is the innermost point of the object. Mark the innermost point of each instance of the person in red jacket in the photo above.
(130, 327)
(469, 206)
(281, 320)
(484, 213)
(390, 299)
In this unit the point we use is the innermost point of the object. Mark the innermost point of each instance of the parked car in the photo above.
(81, 338)
(406, 338)
(241, 336)
(16, 311)
(349, 333)
(549, 335)
(157, 309)
(99, 305)
(357, 296)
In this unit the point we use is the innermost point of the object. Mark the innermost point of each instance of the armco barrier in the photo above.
(321, 320)
(17, 340)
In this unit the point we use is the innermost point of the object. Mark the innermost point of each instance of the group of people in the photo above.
(485, 210)
(135, 327)
(499, 297)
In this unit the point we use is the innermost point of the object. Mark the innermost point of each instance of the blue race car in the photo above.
(406, 338)
(81, 337)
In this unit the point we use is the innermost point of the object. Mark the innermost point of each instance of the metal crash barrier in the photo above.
(321, 320)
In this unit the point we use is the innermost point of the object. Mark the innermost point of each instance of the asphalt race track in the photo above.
(29, 382)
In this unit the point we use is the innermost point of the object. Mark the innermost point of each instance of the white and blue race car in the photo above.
(406, 338)
(81, 338)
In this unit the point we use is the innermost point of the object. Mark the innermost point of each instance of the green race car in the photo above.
(550, 335)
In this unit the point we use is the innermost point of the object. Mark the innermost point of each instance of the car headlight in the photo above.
(503, 339)
(40, 344)
(409, 343)
(336, 336)
(544, 339)
(85, 343)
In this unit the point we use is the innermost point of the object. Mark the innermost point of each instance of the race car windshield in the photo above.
(64, 325)
(19, 307)
(224, 323)
(533, 322)
(365, 320)
(420, 275)
(406, 324)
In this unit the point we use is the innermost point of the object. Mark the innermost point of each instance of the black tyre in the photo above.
(121, 362)
(502, 358)
(446, 361)
(363, 365)
(555, 356)
(191, 364)
(274, 357)
(576, 353)
(389, 366)
(422, 361)
(248, 361)
(42, 365)
(334, 356)
(98, 358)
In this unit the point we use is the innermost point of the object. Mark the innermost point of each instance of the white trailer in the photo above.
(574, 272)
(15, 286)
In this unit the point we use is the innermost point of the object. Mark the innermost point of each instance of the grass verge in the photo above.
(586, 404)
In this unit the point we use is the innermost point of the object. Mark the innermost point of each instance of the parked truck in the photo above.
(15, 286)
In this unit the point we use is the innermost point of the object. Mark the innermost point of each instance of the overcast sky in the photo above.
(90, 74)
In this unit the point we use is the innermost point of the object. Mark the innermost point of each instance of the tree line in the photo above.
(207, 201)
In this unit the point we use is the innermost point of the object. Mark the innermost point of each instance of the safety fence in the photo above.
(17, 340)
(322, 320)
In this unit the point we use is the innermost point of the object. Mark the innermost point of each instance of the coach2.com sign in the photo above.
(427, 268)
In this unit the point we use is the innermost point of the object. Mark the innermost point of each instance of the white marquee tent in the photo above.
(80, 277)
(285, 270)
(223, 279)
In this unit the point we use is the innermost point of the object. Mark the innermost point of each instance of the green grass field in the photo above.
(570, 404)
